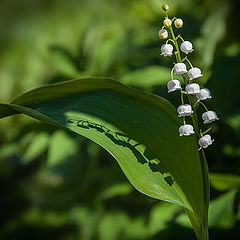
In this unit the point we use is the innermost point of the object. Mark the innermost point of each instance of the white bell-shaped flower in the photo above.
(209, 117)
(205, 141)
(173, 85)
(194, 73)
(180, 68)
(192, 88)
(186, 47)
(203, 95)
(186, 130)
(184, 110)
(166, 50)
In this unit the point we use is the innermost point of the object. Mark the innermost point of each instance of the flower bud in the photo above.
(209, 116)
(186, 47)
(192, 88)
(180, 68)
(173, 85)
(184, 110)
(204, 94)
(165, 7)
(178, 23)
(167, 22)
(205, 141)
(166, 50)
(186, 130)
(194, 73)
(163, 34)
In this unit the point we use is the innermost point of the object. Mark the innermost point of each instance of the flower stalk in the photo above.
(195, 96)
(190, 98)
(192, 90)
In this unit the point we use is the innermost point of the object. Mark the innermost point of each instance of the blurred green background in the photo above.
(57, 185)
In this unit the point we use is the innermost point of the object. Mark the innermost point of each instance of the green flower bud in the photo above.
(165, 7)
(167, 22)
(163, 34)
(178, 23)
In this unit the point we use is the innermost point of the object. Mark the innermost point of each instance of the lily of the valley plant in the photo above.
(190, 76)
(159, 149)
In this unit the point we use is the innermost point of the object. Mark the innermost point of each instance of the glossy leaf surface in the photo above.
(140, 131)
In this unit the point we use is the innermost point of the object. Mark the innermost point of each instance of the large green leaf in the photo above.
(141, 132)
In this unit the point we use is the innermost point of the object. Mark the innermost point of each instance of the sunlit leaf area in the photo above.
(56, 183)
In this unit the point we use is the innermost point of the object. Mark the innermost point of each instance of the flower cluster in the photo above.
(191, 91)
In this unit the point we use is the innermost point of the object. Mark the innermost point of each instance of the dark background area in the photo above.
(57, 185)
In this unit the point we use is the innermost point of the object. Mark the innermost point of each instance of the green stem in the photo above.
(190, 98)
(182, 98)
(176, 44)
(206, 131)
(205, 107)
(201, 153)
(186, 59)
(169, 40)
(194, 115)
(184, 121)
(172, 74)
(179, 36)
